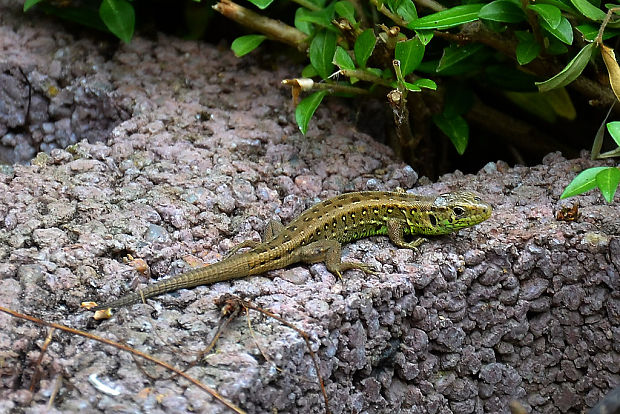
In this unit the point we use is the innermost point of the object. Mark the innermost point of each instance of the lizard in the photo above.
(318, 233)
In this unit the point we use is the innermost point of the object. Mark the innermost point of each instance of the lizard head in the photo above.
(456, 210)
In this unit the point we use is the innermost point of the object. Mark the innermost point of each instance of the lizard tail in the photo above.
(231, 268)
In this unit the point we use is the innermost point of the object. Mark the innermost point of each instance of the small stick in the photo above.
(116, 345)
(37, 373)
(248, 305)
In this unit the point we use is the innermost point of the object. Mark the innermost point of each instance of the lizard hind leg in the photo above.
(242, 245)
(329, 251)
(272, 229)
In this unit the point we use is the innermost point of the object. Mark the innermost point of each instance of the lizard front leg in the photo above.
(329, 251)
(396, 233)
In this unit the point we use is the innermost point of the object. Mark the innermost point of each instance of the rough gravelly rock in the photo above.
(520, 307)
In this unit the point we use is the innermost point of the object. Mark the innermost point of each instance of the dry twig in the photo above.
(117, 345)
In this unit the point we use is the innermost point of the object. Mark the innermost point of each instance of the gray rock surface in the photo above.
(203, 153)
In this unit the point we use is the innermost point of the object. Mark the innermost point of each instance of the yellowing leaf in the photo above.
(609, 58)
(561, 103)
(534, 103)
(102, 314)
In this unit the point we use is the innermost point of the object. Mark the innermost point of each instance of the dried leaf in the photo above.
(102, 314)
(609, 58)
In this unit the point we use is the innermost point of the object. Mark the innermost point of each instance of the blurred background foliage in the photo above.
(501, 79)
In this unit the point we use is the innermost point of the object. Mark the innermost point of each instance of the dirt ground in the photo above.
(173, 151)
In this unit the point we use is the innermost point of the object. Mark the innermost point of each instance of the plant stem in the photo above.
(273, 29)
(308, 5)
(601, 30)
(431, 4)
(532, 19)
(339, 88)
(384, 10)
(365, 76)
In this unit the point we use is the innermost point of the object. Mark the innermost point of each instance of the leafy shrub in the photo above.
(524, 50)
(515, 46)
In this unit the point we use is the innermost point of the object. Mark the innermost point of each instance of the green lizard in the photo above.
(317, 234)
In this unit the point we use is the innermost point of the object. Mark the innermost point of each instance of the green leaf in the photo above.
(322, 51)
(447, 18)
(346, 10)
(428, 66)
(245, 44)
(570, 72)
(386, 74)
(454, 54)
(119, 17)
(426, 83)
(563, 5)
(556, 47)
(309, 72)
(464, 68)
(455, 128)
(614, 131)
(321, 17)
(527, 48)
(342, 59)
(458, 100)
(502, 11)
(29, 3)
(410, 54)
(561, 102)
(597, 143)
(306, 108)
(261, 4)
(610, 154)
(301, 22)
(607, 181)
(534, 103)
(589, 32)
(319, 3)
(549, 13)
(406, 9)
(585, 181)
(418, 84)
(564, 31)
(589, 10)
(425, 36)
(547, 106)
(508, 77)
(410, 87)
(364, 45)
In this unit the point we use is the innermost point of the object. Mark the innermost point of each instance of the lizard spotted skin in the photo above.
(317, 234)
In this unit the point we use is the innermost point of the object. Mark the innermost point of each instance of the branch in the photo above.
(273, 29)
(431, 4)
(513, 131)
(476, 32)
(384, 10)
(532, 19)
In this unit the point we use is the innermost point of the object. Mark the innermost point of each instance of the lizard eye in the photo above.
(458, 211)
